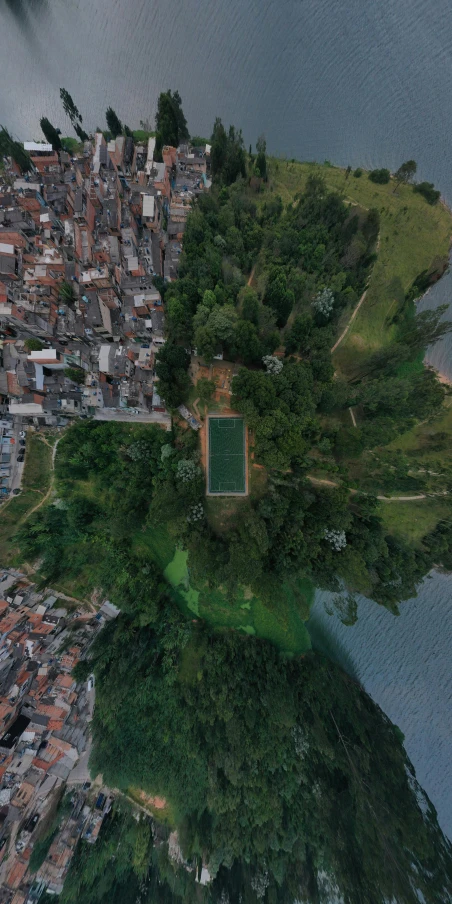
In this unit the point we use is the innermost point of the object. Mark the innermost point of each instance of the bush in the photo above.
(427, 189)
(33, 345)
(358, 173)
(380, 176)
(76, 374)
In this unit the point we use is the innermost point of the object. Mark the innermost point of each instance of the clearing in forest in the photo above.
(226, 456)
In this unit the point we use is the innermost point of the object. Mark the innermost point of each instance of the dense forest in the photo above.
(283, 776)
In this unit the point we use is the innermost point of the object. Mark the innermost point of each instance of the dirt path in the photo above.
(52, 479)
(318, 482)
(354, 313)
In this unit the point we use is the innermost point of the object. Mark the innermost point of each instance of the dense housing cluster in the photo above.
(85, 243)
(45, 800)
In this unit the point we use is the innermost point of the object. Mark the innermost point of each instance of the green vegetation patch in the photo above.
(412, 521)
(414, 236)
(38, 463)
(142, 135)
(278, 615)
(35, 484)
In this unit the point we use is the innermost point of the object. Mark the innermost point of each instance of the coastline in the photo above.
(447, 381)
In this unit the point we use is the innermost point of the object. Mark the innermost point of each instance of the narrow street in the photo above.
(17, 467)
(126, 416)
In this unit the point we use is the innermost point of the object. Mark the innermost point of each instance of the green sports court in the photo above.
(226, 456)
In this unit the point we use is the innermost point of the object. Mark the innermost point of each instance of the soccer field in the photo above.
(227, 458)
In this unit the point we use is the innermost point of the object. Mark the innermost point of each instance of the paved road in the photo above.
(119, 414)
(13, 577)
(17, 467)
(80, 773)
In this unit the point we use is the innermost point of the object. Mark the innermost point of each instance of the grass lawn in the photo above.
(222, 511)
(411, 521)
(11, 514)
(157, 542)
(38, 464)
(35, 483)
(421, 438)
(142, 135)
(278, 614)
(163, 814)
(72, 146)
(414, 236)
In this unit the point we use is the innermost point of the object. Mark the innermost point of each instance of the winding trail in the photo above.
(52, 478)
(318, 482)
(355, 311)
(353, 315)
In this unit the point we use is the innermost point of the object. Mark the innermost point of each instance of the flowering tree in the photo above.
(324, 302)
(187, 470)
(336, 539)
(273, 364)
(195, 513)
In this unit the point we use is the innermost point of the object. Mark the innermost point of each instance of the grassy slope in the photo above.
(414, 236)
(35, 483)
(411, 521)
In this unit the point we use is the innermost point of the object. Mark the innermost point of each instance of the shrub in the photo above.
(33, 345)
(381, 176)
(358, 173)
(428, 190)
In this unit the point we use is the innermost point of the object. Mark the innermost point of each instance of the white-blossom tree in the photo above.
(187, 470)
(336, 539)
(195, 513)
(273, 364)
(260, 883)
(324, 303)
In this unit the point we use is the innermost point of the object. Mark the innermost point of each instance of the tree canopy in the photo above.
(14, 149)
(113, 122)
(272, 766)
(170, 122)
(51, 133)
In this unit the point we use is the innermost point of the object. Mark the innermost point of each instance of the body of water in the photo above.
(351, 81)
(404, 663)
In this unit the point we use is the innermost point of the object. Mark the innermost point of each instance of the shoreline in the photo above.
(446, 381)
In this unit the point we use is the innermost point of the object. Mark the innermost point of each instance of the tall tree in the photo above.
(261, 159)
(51, 133)
(406, 172)
(70, 107)
(227, 156)
(113, 122)
(170, 122)
(81, 134)
(14, 149)
(219, 147)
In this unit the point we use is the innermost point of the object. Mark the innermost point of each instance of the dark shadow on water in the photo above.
(324, 641)
(24, 13)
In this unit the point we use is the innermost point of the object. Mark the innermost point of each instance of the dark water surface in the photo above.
(404, 663)
(359, 82)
